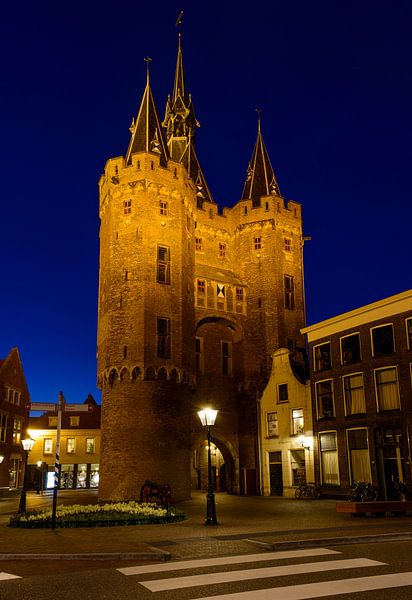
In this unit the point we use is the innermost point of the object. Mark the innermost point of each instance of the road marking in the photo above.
(4, 576)
(174, 583)
(225, 560)
(324, 588)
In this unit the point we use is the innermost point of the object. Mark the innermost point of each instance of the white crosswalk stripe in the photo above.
(4, 576)
(252, 573)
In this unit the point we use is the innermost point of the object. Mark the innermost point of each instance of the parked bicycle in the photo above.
(308, 490)
(400, 490)
(363, 491)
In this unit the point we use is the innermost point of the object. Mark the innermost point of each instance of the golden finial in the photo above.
(147, 60)
(259, 112)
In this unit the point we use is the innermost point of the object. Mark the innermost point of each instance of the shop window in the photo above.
(163, 264)
(297, 421)
(90, 445)
(74, 421)
(289, 289)
(322, 357)
(354, 394)
(283, 394)
(329, 458)
(94, 476)
(199, 355)
(382, 340)
(350, 349)
(163, 337)
(324, 399)
(3, 426)
(66, 477)
(17, 426)
(272, 424)
(408, 323)
(81, 478)
(359, 455)
(127, 206)
(226, 348)
(70, 445)
(387, 391)
(47, 445)
(297, 463)
(163, 208)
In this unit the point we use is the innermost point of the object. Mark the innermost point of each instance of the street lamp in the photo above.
(27, 444)
(208, 418)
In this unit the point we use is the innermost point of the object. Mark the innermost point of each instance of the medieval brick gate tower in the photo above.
(192, 303)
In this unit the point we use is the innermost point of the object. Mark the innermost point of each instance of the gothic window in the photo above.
(322, 357)
(382, 340)
(350, 349)
(127, 206)
(163, 207)
(288, 244)
(163, 337)
(289, 292)
(324, 399)
(198, 242)
(354, 394)
(222, 250)
(387, 391)
(283, 395)
(163, 264)
(226, 358)
(297, 421)
(258, 242)
(272, 424)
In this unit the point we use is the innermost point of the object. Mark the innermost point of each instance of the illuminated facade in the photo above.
(192, 304)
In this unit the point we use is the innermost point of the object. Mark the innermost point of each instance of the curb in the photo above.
(333, 541)
(151, 554)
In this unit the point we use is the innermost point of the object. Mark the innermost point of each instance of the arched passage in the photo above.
(225, 474)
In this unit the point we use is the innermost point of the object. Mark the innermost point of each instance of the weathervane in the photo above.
(259, 112)
(147, 60)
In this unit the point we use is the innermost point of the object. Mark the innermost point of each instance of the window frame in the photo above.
(222, 249)
(88, 451)
(317, 361)
(163, 208)
(289, 291)
(321, 451)
(345, 337)
(257, 242)
(163, 342)
(298, 430)
(227, 359)
(163, 265)
(349, 454)
(279, 393)
(70, 445)
(376, 354)
(408, 326)
(48, 445)
(379, 386)
(346, 378)
(332, 391)
(272, 420)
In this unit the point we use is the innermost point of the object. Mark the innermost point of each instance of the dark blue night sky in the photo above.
(334, 82)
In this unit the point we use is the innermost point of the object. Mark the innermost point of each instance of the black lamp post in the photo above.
(208, 418)
(27, 444)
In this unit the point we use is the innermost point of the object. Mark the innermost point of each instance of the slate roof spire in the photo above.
(180, 124)
(260, 178)
(147, 132)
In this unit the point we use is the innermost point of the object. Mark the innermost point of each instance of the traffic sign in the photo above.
(77, 408)
(42, 406)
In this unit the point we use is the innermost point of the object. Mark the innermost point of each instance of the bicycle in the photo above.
(363, 491)
(307, 490)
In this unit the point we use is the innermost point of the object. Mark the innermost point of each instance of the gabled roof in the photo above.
(191, 162)
(147, 132)
(260, 179)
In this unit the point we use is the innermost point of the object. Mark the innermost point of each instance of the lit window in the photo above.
(90, 444)
(222, 250)
(70, 445)
(163, 337)
(350, 349)
(354, 394)
(163, 208)
(289, 292)
(52, 421)
(288, 244)
(324, 399)
(382, 340)
(127, 206)
(283, 395)
(227, 358)
(258, 242)
(198, 242)
(387, 391)
(322, 357)
(163, 264)
(74, 421)
(272, 424)
(17, 426)
(359, 455)
(329, 458)
(47, 445)
(297, 421)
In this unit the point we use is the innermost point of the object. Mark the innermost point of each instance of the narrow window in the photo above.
(354, 394)
(163, 208)
(198, 242)
(408, 323)
(297, 421)
(258, 242)
(359, 455)
(151, 165)
(245, 210)
(199, 354)
(16, 397)
(124, 351)
(259, 302)
(127, 206)
(350, 349)
(329, 458)
(47, 445)
(17, 426)
(90, 445)
(283, 395)
(382, 340)
(227, 358)
(200, 292)
(239, 294)
(288, 244)
(322, 357)
(126, 275)
(387, 391)
(289, 292)
(272, 424)
(74, 421)
(163, 337)
(163, 264)
(222, 250)
(324, 399)
(52, 421)
(70, 445)
(266, 206)
(3, 426)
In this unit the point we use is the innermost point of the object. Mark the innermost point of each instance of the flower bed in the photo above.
(97, 515)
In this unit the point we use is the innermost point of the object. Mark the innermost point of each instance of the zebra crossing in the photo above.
(327, 560)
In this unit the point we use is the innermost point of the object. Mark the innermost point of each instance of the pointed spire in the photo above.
(260, 177)
(147, 133)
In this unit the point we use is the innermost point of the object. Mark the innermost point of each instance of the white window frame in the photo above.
(299, 430)
(70, 441)
(93, 451)
(317, 398)
(348, 376)
(371, 337)
(344, 337)
(321, 459)
(387, 368)
(273, 420)
(279, 401)
(48, 445)
(315, 363)
(351, 478)
(408, 340)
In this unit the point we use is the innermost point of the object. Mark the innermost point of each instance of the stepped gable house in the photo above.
(192, 304)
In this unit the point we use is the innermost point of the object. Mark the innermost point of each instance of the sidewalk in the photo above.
(272, 521)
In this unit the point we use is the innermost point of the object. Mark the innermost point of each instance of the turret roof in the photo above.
(260, 179)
